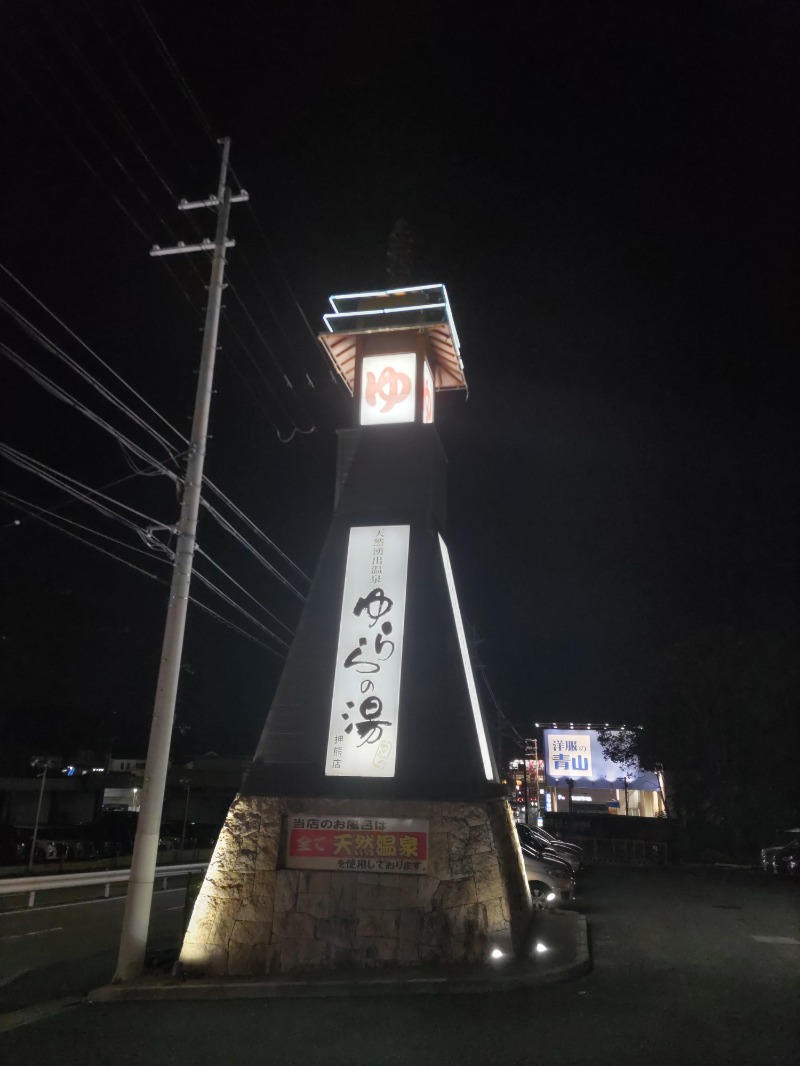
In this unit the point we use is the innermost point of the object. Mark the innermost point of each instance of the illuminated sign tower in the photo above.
(377, 697)
(374, 760)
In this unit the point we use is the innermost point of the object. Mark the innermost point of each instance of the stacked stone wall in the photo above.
(253, 917)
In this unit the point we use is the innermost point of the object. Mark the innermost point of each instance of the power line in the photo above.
(38, 512)
(125, 442)
(183, 85)
(249, 522)
(232, 603)
(65, 93)
(257, 365)
(73, 486)
(93, 170)
(241, 588)
(141, 88)
(244, 347)
(509, 725)
(170, 556)
(242, 257)
(154, 577)
(187, 93)
(257, 329)
(69, 503)
(29, 91)
(87, 376)
(108, 98)
(278, 266)
(137, 142)
(84, 373)
(222, 521)
(61, 394)
(173, 68)
(127, 126)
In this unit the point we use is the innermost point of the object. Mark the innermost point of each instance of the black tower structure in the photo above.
(394, 684)
(371, 829)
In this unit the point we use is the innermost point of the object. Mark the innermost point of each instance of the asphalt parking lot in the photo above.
(691, 965)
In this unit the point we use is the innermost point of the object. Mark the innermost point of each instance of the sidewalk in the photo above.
(558, 951)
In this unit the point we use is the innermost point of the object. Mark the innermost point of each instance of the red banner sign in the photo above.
(379, 845)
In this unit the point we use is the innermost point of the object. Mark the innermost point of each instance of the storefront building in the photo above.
(579, 776)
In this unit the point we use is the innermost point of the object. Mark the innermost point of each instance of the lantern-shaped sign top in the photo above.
(394, 350)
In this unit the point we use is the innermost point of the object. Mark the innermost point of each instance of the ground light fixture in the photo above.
(497, 953)
(541, 948)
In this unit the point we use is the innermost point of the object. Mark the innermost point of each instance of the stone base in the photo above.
(253, 917)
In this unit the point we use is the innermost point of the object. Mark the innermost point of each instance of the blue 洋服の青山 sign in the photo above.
(577, 754)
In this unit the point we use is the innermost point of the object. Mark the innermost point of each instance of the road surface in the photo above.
(690, 966)
(49, 952)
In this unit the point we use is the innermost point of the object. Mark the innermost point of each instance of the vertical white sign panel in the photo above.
(362, 740)
(480, 729)
(428, 392)
(388, 388)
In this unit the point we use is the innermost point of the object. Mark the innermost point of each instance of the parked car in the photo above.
(775, 860)
(113, 833)
(539, 838)
(550, 882)
(557, 840)
(194, 834)
(51, 844)
(551, 860)
(76, 842)
(14, 845)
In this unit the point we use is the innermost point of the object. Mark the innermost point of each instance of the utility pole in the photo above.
(525, 787)
(133, 940)
(531, 751)
(46, 764)
(537, 793)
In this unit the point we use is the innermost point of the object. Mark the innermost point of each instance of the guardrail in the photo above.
(19, 886)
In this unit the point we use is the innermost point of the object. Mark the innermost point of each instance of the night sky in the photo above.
(609, 192)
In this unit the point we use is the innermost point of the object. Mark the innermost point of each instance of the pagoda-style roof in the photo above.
(419, 307)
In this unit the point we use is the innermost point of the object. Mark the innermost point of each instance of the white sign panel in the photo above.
(428, 392)
(362, 844)
(362, 740)
(569, 754)
(388, 388)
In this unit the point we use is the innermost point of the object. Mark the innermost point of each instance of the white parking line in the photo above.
(776, 940)
(33, 932)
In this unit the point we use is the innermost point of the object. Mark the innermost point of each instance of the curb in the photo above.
(486, 978)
